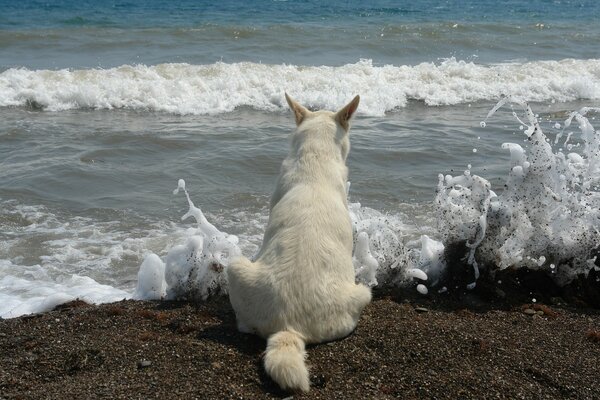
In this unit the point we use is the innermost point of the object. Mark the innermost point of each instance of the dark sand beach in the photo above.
(404, 347)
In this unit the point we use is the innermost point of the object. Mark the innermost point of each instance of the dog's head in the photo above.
(324, 127)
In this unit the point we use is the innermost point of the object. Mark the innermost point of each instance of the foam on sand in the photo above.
(47, 257)
(22, 296)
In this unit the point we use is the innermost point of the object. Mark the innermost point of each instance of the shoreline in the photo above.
(405, 346)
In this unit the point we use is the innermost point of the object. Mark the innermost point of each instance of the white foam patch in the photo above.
(151, 283)
(221, 87)
(47, 258)
(431, 260)
(548, 215)
(384, 252)
(20, 296)
(422, 289)
(365, 265)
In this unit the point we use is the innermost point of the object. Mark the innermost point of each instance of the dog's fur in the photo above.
(301, 288)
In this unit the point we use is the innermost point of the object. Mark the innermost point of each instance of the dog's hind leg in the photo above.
(242, 281)
(360, 296)
(342, 321)
(242, 327)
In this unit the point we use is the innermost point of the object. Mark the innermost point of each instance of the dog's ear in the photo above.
(344, 115)
(299, 111)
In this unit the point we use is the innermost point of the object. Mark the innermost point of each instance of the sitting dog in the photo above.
(301, 287)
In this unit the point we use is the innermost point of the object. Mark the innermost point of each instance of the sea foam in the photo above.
(27, 295)
(223, 87)
(548, 215)
(193, 270)
(48, 257)
(196, 269)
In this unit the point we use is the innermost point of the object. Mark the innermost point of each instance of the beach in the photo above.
(404, 347)
(140, 143)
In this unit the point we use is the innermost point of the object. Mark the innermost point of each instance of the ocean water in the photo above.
(104, 105)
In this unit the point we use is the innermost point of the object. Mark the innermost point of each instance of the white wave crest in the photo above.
(222, 87)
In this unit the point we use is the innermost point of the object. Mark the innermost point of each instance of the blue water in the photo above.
(74, 34)
(28, 14)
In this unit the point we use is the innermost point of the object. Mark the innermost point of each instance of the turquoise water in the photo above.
(75, 34)
(105, 104)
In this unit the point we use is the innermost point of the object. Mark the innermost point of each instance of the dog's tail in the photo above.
(284, 360)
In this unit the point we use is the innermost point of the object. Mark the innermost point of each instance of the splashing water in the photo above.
(365, 264)
(547, 216)
(382, 257)
(193, 270)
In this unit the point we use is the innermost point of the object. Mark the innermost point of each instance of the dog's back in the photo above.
(301, 287)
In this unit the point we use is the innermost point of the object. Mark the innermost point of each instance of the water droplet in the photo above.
(482, 123)
(557, 125)
(474, 150)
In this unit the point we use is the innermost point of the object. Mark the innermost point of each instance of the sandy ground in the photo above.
(405, 347)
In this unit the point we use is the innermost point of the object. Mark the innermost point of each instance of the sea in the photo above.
(106, 104)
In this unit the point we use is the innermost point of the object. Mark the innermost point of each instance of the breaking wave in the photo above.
(222, 87)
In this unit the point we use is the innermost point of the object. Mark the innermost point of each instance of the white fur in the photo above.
(284, 360)
(301, 288)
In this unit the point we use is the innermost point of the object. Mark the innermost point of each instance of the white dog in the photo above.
(301, 288)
